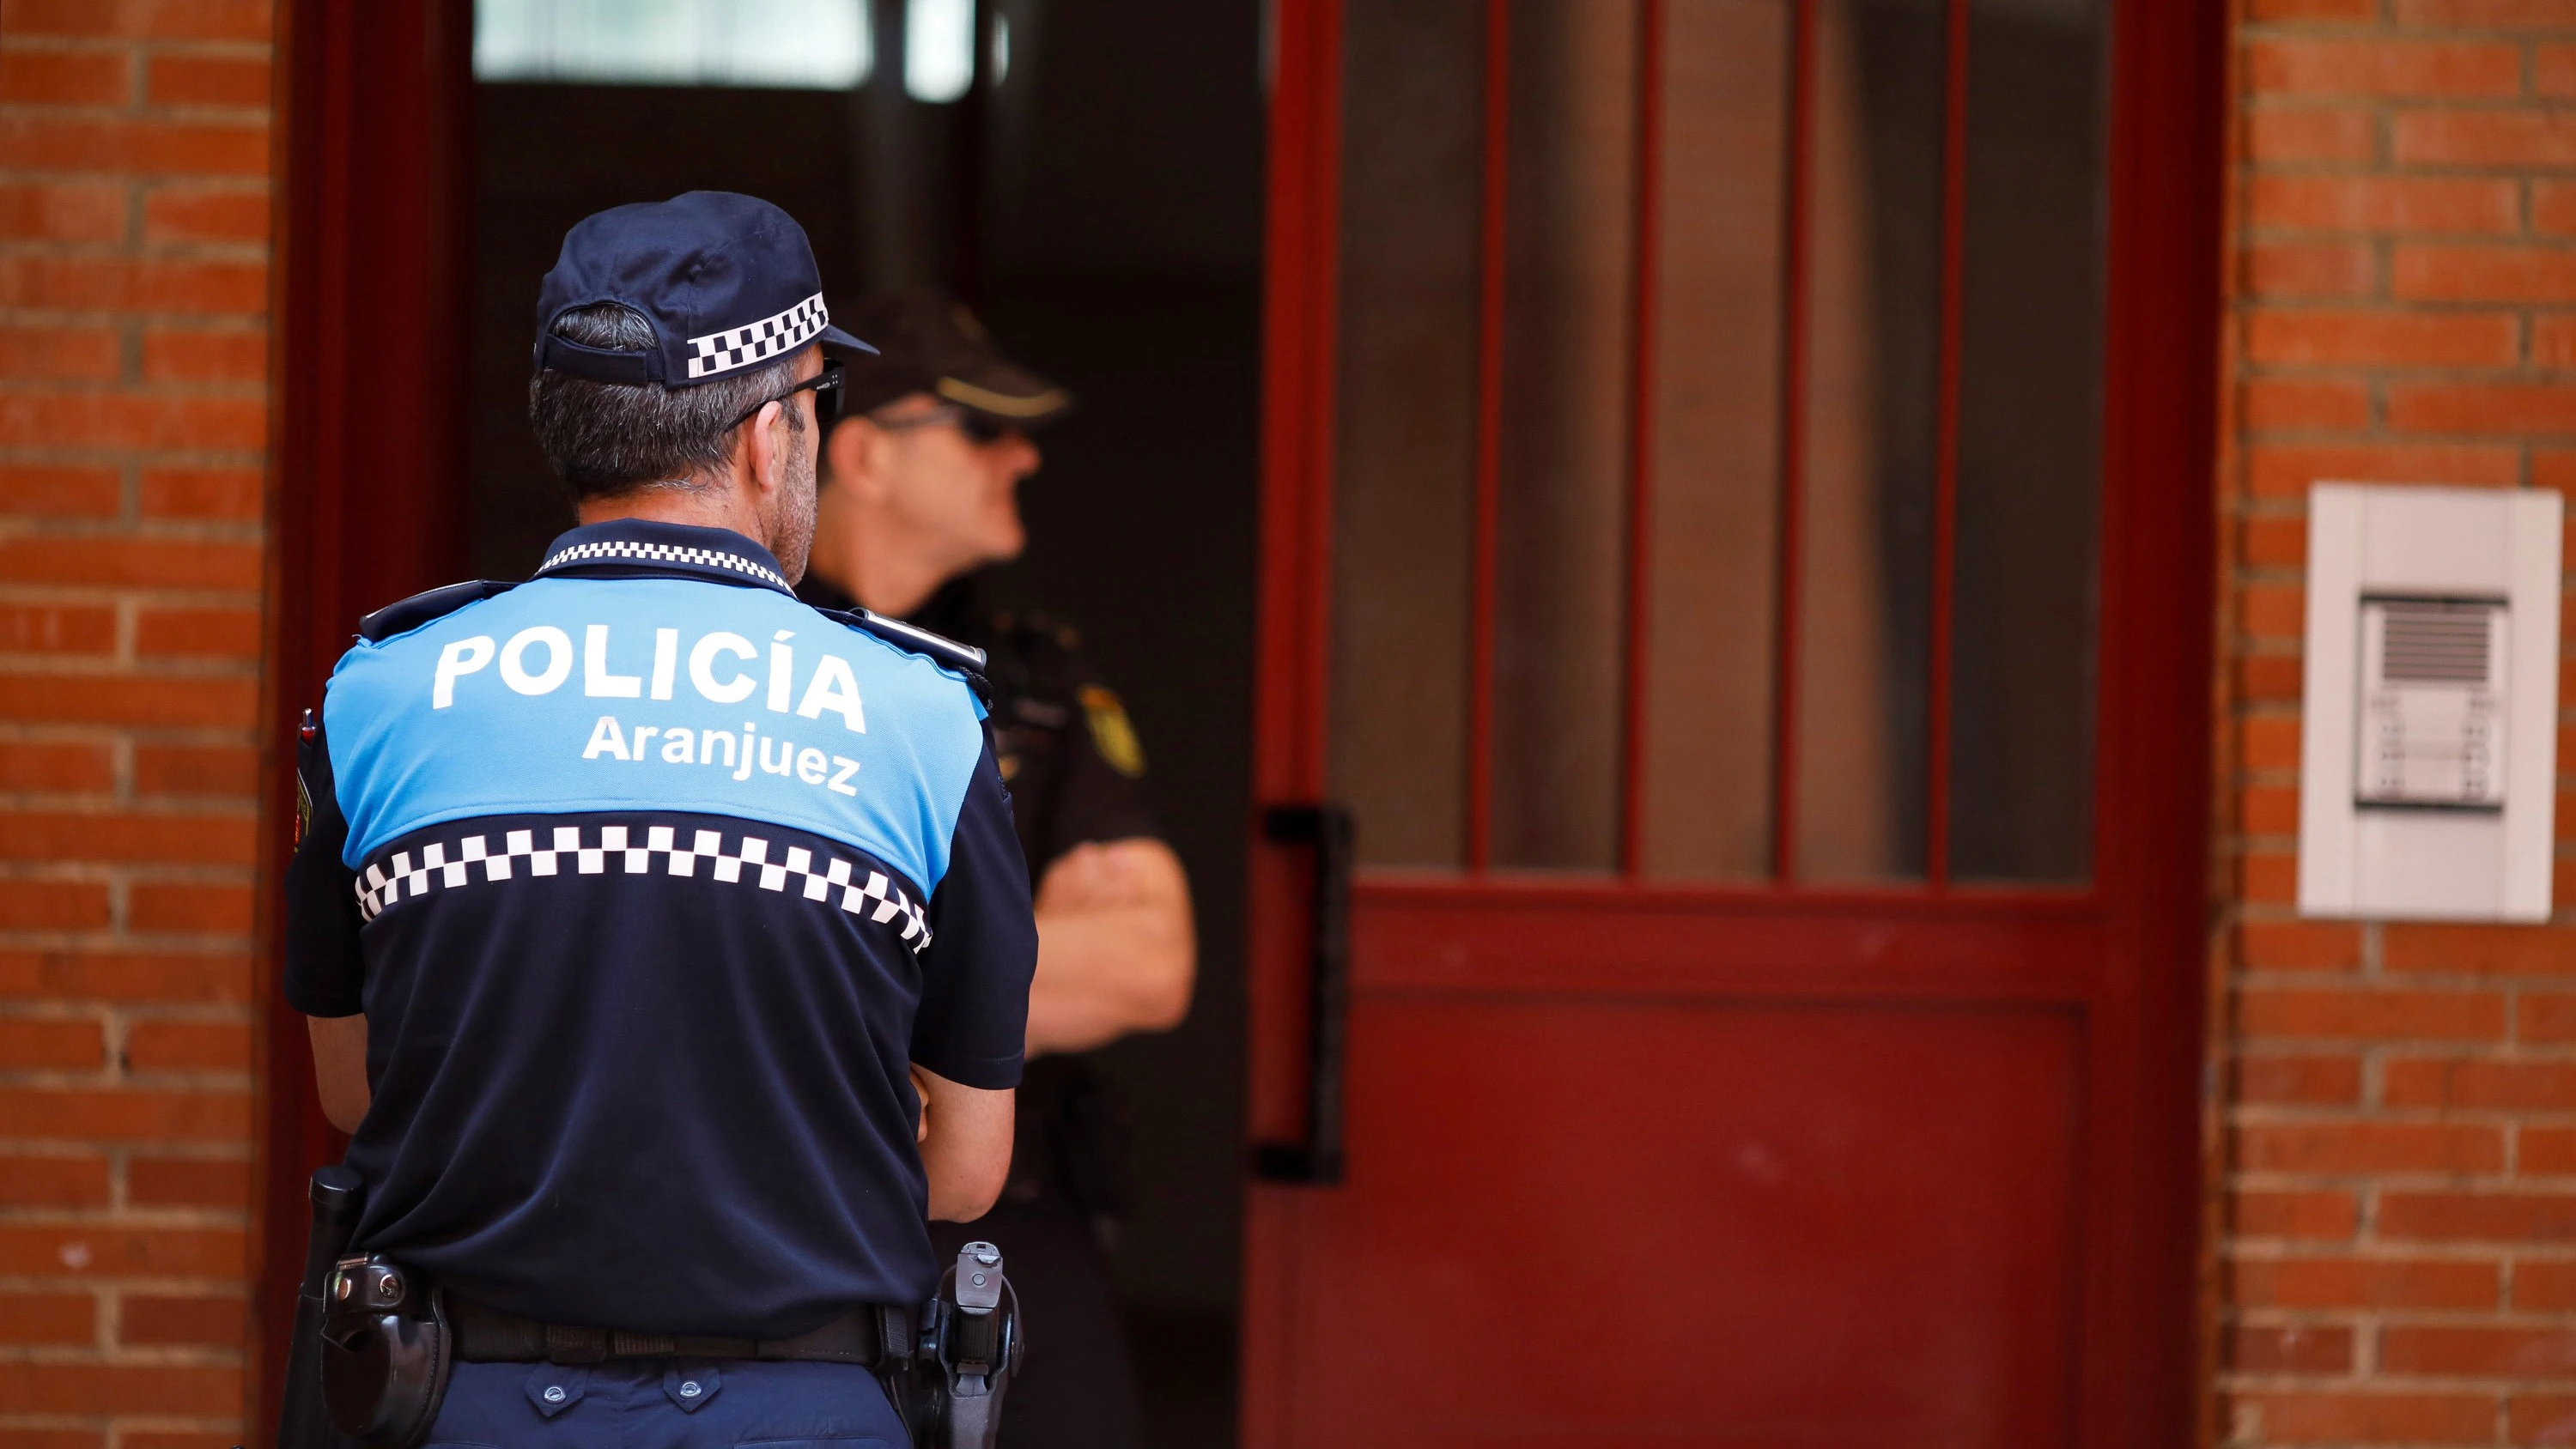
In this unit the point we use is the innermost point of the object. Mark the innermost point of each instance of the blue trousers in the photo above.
(642, 1403)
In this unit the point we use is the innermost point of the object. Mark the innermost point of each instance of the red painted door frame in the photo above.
(2137, 939)
(367, 446)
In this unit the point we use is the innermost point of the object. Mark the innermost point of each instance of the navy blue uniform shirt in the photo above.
(651, 880)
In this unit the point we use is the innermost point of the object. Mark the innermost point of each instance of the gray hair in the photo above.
(607, 438)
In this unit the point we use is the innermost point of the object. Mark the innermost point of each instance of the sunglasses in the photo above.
(826, 386)
(979, 428)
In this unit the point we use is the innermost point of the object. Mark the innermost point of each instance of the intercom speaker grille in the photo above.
(2434, 643)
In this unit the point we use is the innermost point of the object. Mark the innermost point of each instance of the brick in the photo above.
(2301, 1214)
(2477, 1352)
(134, 146)
(2277, 10)
(2278, 470)
(188, 1046)
(2553, 341)
(194, 770)
(2358, 1147)
(119, 700)
(2310, 134)
(52, 905)
(50, 353)
(138, 1439)
(54, 1439)
(2282, 404)
(170, 356)
(2378, 66)
(208, 80)
(2273, 809)
(2544, 1151)
(2292, 1350)
(132, 562)
(47, 1044)
(2270, 540)
(2269, 743)
(2544, 1285)
(70, 974)
(146, 1388)
(203, 493)
(2348, 339)
(187, 1182)
(127, 1115)
(105, 1251)
(2541, 1418)
(221, 909)
(55, 769)
(205, 214)
(139, 19)
(2311, 1014)
(63, 211)
(2310, 269)
(2442, 272)
(97, 420)
(43, 491)
(2313, 1081)
(56, 629)
(2546, 1016)
(2485, 14)
(2462, 1216)
(172, 838)
(216, 1322)
(2279, 610)
(2479, 950)
(2553, 70)
(2268, 876)
(2363, 1283)
(65, 78)
(125, 285)
(2553, 207)
(199, 633)
(53, 1181)
(2482, 407)
(2374, 1417)
(48, 1318)
(2298, 946)
(2484, 138)
(2487, 1085)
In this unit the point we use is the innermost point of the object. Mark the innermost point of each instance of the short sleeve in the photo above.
(974, 1018)
(1100, 794)
(324, 972)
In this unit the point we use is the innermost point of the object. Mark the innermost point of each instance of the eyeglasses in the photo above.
(827, 398)
(980, 428)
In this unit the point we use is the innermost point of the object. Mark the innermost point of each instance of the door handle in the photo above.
(1327, 828)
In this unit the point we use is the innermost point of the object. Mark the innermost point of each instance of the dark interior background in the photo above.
(1102, 207)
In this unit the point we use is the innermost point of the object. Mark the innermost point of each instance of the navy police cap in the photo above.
(728, 282)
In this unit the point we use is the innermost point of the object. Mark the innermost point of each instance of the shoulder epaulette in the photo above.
(420, 608)
(939, 648)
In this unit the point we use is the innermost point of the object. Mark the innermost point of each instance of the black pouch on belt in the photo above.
(386, 1352)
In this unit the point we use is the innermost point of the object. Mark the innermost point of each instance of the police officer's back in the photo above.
(920, 496)
(688, 924)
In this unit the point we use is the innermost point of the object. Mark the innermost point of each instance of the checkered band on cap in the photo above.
(611, 550)
(411, 873)
(759, 342)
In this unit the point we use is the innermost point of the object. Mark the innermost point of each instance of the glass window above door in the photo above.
(1717, 437)
(778, 44)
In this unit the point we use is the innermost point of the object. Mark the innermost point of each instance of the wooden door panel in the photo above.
(1820, 1225)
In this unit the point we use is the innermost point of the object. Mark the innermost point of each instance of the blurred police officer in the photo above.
(666, 942)
(920, 496)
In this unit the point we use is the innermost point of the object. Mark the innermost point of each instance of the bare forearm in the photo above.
(965, 1141)
(1105, 971)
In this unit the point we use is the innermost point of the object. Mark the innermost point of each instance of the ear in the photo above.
(851, 455)
(764, 444)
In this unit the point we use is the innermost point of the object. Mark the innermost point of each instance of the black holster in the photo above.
(386, 1352)
(950, 1391)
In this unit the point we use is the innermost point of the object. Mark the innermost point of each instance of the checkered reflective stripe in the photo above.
(767, 338)
(662, 553)
(409, 874)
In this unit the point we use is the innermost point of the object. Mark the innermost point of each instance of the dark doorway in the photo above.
(1101, 205)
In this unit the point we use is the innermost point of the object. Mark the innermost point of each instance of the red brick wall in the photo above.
(134, 154)
(2400, 1197)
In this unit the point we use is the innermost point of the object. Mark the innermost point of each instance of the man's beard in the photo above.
(791, 537)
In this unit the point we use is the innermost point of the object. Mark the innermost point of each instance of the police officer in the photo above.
(920, 495)
(666, 941)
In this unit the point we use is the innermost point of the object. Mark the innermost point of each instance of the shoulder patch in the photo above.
(1111, 732)
(420, 608)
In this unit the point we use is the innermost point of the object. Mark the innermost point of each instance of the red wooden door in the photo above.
(1737, 545)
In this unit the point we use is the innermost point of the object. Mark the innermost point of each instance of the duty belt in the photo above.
(487, 1335)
